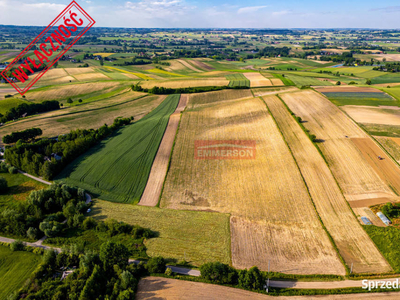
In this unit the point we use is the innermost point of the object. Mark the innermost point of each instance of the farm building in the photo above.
(383, 218)
(366, 221)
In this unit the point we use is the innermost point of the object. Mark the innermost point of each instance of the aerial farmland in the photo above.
(256, 159)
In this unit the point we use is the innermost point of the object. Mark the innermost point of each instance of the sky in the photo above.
(212, 13)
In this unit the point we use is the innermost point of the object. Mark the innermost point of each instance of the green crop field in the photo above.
(285, 80)
(387, 240)
(301, 80)
(198, 237)
(118, 168)
(361, 98)
(15, 269)
(8, 103)
(387, 78)
(238, 80)
(382, 130)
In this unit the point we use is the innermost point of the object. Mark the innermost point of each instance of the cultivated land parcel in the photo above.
(296, 207)
(122, 176)
(265, 225)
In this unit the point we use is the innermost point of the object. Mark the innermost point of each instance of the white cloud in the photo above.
(281, 13)
(250, 9)
(157, 6)
(45, 5)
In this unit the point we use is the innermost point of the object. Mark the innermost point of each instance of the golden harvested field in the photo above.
(63, 92)
(257, 80)
(352, 241)
(272, 90)
(54, 81)
(91, 76)
(187, 65)
(54, 73)
(391, 145)
(185, 83)
(197, 100)
(372, 114)
(268, 222)
(356, 177)
(152, 192)
(388, 57)
(175, 65)
(91, 115)
(276, 81)
(77, 71)
(198, 237)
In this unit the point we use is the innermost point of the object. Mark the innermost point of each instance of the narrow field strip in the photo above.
(188, 65)
(152, 192)
(257, 80)
(140, 75)
(352, 241)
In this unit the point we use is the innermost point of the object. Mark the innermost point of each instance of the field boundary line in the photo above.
(379, 145)
(77, 112)
(165, 145)
(341, 191)
(308, 191)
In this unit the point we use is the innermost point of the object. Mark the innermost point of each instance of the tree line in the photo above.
(29, 109)
(40, 157)
(24, 135)
(189, 90)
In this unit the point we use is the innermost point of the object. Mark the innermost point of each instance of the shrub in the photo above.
(7, 96)
(4, 167)
(89, 223)
(168, 272)
(368, 82)
(17, 246)
(12, 170)
(78, 219)
(156, 265)
(69, 100)
(32, 233)
(352, 82)
(390, 210)
(80, 100)
(251, 279)
(338, 83)
(3, 185)
(219, 273)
